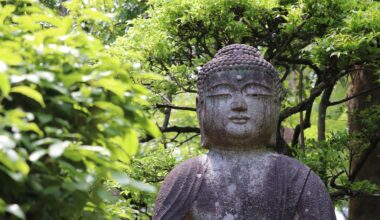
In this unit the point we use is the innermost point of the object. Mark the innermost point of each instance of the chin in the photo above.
(239, 135)
(240, 130)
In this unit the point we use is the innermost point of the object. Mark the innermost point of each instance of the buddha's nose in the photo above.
(239, 104)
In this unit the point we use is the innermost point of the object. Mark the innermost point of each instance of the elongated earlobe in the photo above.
(198, 107)
(200, 113)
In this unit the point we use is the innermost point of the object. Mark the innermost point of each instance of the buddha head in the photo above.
(239, 97)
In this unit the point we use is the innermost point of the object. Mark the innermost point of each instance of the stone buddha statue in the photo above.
(239, 96)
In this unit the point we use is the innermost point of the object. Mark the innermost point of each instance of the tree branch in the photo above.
(290, 39)
(306, 124)
(354, 96)
(373, 144)
(323, 105)
(175, 107)
(345, 191)
(300, 91)
(165, 124)
(187, 140)
(174, 79)
(287, 71)
(181, 129)
(307, 62)
(302, 106)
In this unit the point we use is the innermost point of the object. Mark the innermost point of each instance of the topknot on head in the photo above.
(237, 56)
(238, 50)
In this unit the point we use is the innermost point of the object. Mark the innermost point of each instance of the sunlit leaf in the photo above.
(5, 86)
(57, 149)
(152, 128)
(124, 180)
(6, 12)
(10, 57)
(92, 13)
(121, 178)
(6, 142)
(22, 166)
(108, 106)
(3, 67)
(115, 86)
(15, 210)
(36, 155)
(98, 149)
(29, 92)
(31, 127)
(131, 142)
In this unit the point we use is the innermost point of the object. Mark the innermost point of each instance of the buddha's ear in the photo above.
(199, 107)
(200, 114)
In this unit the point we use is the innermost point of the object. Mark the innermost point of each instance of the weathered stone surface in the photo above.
(239, 96)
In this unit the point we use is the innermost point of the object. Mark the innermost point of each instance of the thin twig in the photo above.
(187, 140)
(175, 107)
(359, 165)
(181, 129)
(354, 96)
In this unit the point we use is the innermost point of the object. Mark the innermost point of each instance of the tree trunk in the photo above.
(364, 165)
(323, 105)
(300, 92)
(63, 11)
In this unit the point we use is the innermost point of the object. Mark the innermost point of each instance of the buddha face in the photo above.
(240, 110)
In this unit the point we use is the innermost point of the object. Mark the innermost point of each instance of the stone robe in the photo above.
(242, 185)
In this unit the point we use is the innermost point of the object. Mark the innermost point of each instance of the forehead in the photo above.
(239, 78)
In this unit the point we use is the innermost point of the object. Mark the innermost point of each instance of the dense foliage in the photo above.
(79, 79)
(70, 115)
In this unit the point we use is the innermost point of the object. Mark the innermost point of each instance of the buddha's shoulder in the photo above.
(290, 163)
(291, 168)
(193, 166)
(180, 189)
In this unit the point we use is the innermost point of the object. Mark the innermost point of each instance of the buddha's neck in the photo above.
(238, 153)
(227, 161)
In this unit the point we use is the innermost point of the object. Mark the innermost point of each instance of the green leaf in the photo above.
(6, 12)
(94, 14)
(5, 86)
(103, 194)
(6, 142)
(118, 151)
(57, 149)
(98, 149)
(10, 57)
(131, 142)
(108, 106)
(2, 206)
(3, 67)
(121, 177)
(29, 92)
(15, 210)
(115, 86)
(124, 180)
(31, 127)
(22, 166)
(36, 155)
(152, 128)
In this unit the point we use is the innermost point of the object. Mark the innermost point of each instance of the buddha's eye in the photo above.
(220, 95)
(254, 90)
(220, 91)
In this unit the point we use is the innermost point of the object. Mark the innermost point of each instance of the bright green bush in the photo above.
(70, 117)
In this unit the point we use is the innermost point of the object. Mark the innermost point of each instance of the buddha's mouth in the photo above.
(239, 119)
